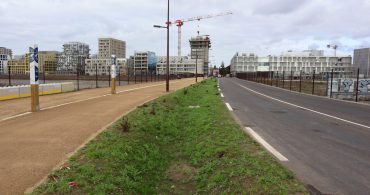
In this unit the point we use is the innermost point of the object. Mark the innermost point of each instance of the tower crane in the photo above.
(335, 47)
(180, 23)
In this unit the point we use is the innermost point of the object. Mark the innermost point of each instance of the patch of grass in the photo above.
(172, 148)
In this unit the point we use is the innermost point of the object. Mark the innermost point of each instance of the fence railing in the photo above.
(347, 86)
(86, 81)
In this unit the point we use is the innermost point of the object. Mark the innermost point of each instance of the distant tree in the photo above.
(222, 69)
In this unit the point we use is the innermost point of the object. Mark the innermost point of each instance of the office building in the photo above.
(361, 60)
(5, 55)
(110, 46)
(290, 61)
(20, 65)
(73, 57)
(200, 46)
(145, 62)
(179, 65)
(102, 66)
(48, 61)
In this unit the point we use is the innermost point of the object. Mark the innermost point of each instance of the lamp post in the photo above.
(168, 46)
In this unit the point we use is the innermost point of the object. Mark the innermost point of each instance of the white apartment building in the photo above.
(179, 65)
(290, 61)
(102, 66)
(110, 46)
(144, 62)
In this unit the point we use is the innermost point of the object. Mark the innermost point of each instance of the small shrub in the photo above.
(124, 125)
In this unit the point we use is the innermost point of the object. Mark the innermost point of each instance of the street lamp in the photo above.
(168, 46)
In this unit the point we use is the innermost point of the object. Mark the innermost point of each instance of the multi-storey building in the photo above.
(48, 61)
(102, 66)
(5, 55)
(361, 60)
(199, 46)
(305, 62)
(179, 65)
(110, 46)
(20, 65)
(144, 62)
(73, 57)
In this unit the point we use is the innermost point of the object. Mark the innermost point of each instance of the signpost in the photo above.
(113, 74)
(34, 78)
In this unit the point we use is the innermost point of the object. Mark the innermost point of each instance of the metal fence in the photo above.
(85, 81)
(346, 86)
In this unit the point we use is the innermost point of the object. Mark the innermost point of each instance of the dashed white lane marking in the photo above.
(304, 108)
(96, 97)
(229, 107)
(266, 145)
(222, 95)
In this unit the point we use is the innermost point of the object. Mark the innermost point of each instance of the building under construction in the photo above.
(200, 50)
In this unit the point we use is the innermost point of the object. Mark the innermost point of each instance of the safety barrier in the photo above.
(14, 92)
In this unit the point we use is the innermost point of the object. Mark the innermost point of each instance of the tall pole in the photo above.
(96, 75)
(9, 79)
(196, 68)
(168, 48)
(358, 78)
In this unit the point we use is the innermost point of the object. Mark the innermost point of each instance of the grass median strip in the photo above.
(182, 143)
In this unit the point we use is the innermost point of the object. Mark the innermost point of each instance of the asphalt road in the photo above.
(326, 142)
(32, 144)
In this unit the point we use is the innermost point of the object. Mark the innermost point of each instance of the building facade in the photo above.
(110, 46)
(144, 62)
(48, 61)
(179, 65)
(361, 60)
(20, 65)
(5, 55)
(307, 63)
(102, 66)
(73, 57)
(200, 46)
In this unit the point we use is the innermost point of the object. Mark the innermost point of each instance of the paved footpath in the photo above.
(32, 144)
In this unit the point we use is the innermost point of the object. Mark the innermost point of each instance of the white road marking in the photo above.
(15, 116)
(266, 145)
(96, 97)
(229, 107)
(222, 95)
(301, 107)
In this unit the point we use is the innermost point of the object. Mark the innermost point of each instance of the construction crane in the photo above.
(335, 47)
(180, 23)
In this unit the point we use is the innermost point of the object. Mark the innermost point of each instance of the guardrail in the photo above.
(13, 92)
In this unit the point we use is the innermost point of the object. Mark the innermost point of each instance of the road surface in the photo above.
(326, 143)
(31, 145)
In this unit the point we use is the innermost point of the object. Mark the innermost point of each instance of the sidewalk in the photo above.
(33, 144)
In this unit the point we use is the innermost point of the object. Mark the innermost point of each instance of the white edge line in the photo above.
(229, 107)
(266, 145)
(222, 95)
(314, 111)
(15, 116)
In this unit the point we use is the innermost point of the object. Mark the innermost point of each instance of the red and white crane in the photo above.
(180, 23)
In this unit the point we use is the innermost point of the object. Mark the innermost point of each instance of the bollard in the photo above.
(34, 78)
(113, 71)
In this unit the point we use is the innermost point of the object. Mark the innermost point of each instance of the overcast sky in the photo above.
(260, 26)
